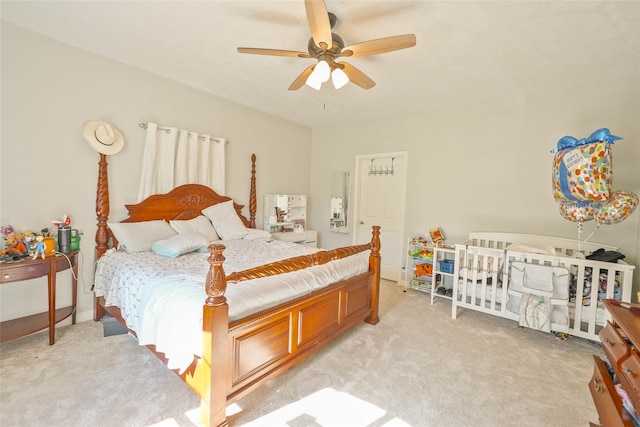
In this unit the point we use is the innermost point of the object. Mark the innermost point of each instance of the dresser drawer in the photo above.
(9, 274)
(605, 397)
(306, 238)
(630, 378)
(299, 238)
(614, 346)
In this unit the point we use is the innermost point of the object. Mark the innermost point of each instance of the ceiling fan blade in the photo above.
(385, 44)
(301, 79)
(273, 52)
(356, 76)
(319, 25)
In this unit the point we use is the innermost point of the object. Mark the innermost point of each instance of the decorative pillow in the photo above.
(140, 236)
(179, 245)
(200, 225)
(226, 221)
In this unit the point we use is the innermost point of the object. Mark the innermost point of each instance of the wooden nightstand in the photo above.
(26, 269)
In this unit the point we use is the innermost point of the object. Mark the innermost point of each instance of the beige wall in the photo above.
(49, 90)
(488, 167)
(478, 168)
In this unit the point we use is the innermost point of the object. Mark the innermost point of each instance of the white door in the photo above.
(380, 189)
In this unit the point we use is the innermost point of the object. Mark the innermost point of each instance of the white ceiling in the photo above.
(466, 52)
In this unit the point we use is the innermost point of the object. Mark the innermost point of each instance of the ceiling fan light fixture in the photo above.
(326, 47)
(313, 80)
(339, 78)
(322, 71)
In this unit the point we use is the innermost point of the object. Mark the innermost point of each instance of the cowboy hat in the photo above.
(103, 137)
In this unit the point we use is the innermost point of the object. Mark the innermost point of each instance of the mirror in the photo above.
(339, 202)
(284, 212)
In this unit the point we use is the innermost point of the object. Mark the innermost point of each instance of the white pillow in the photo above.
(140, 236)
(226, 221)
(200, 225)
(181, 244)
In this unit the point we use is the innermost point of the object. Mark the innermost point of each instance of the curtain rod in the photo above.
(167, 130)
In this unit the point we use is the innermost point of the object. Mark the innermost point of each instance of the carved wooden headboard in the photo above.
(183, 202)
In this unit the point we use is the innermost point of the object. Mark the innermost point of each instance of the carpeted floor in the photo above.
(417, 367)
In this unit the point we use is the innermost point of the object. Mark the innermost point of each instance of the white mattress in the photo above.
(161, 298)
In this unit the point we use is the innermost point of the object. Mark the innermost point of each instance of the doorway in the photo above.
(380, 192)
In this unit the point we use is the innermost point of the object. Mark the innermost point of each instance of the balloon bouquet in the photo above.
(582, 172)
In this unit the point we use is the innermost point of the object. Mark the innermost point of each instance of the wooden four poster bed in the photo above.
(240, 354)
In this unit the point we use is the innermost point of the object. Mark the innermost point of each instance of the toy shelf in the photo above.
(417, 271)
(428, 268)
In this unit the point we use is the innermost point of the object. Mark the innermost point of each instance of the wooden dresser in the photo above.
(621, 344)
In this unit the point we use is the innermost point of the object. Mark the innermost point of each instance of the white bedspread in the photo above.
(161, 298)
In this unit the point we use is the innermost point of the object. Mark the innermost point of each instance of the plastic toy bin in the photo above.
(446, 266)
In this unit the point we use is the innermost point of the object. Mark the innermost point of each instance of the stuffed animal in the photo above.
(426, 254)
(424, 269)
(414, 253)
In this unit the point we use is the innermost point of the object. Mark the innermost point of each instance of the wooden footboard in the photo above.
(265, 344)
(238, 357)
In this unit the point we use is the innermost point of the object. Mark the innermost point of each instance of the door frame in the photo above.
(403, 196)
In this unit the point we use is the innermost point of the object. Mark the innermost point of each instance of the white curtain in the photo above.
(174, 157)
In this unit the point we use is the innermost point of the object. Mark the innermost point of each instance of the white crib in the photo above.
(483, 278)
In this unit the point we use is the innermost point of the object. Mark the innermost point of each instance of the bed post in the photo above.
(374, 265)
(102, 214)
(252, 194)
(102, 206)
(215, 338)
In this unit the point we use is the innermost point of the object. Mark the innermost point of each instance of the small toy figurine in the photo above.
(40, 246)
(62, 223)
(14, 245)
(46, 232)
(28, 237)
(8, 231)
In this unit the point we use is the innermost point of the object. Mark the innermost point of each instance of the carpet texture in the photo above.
(417, 367)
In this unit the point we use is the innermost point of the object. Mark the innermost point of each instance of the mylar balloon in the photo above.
(579, 211)
(618, 207)
(583, 173)
(601, 135)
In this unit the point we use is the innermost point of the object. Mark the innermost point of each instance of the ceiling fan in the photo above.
(328, 47)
